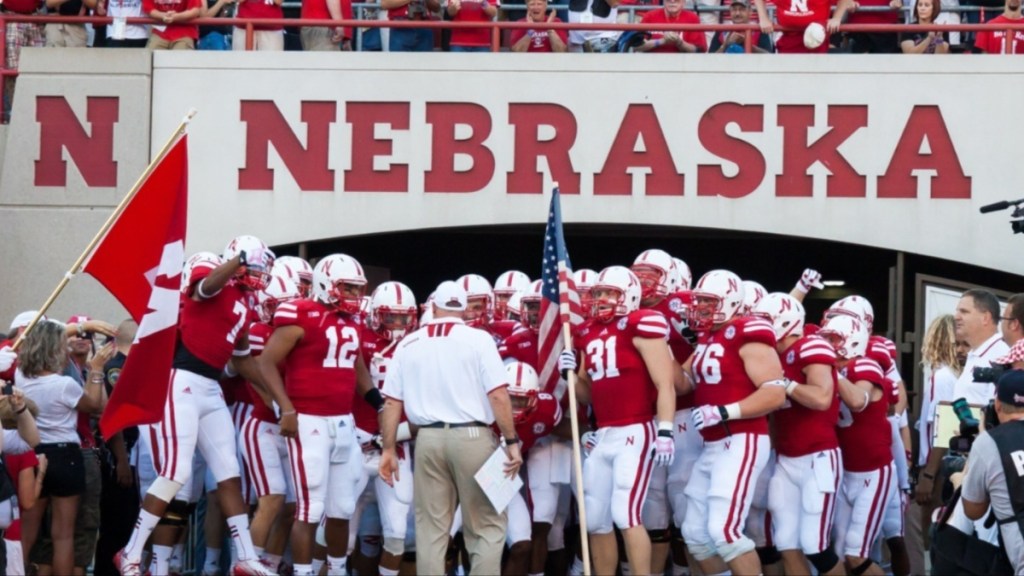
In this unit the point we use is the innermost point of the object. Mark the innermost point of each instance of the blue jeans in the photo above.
(470, 48)
(411, 40)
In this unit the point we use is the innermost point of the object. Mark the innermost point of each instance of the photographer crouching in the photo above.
(993, 490)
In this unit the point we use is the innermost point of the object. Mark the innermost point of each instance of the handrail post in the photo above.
(748, 45)
(4, 119)
(250, 34)
(1008, 42)
(495, 37)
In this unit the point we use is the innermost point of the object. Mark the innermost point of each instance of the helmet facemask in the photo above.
(607, 302)
(706, 311)
(347, 297)
(651, 281)
(478, 311)
(394, 324)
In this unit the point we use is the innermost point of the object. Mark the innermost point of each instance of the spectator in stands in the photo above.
(673, 41)
(925, 12)
(61, 35)
(880, 12)
(539, 40)
(119, 33)
(593, 12)
(18, 36)
(265, 37)
(410, 39)
(215, 37)
(739, 13)
(471, 39)
(326, 38)
(174, 30)
(993, 41)
(42, 361)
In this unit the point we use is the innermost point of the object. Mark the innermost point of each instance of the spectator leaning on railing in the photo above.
(19, 35)
(925, 12)
(119, 33)
(739, 13)
(874, 42)
(993, 42)
(325, 38)
(539, 40)
(63, 35)
(173, 30)
(265, 37)
(471, 39)
(673, 41)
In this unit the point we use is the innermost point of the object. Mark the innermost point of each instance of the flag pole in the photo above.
(106, 225)
(577, 460)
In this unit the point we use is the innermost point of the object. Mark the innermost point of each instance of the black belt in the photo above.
(458, 425)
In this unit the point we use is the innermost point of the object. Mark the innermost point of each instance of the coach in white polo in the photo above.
(451, 383)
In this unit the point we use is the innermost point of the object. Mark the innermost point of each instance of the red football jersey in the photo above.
(502, 329)
(621, 390)
(721, 376)
(319, 373)
(521, 347)
(377, 352)
(259, 334)
(540, 422)
(799, 430)
(993, 41)
(800, 13)
(209, 328)
(674, 309)
(865, 437)
(684, 17)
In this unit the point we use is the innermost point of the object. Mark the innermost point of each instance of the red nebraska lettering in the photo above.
(711, 179)
(364, 116)
(442, 176)
(925, 124)
(266, 126)
(526, 120)
(59, 129)
(639, 121)
(798, 155)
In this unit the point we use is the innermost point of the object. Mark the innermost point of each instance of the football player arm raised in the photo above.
(280, 344)
(817, 393)
(764, 369)
(217, 279)
(663, 370)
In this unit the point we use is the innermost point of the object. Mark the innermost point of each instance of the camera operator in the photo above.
(995, 471)
(977, 323)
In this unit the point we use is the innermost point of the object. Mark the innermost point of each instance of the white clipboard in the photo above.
(499, 488)
(947, 424)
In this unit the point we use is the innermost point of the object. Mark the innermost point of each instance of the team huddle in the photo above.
(720, 431)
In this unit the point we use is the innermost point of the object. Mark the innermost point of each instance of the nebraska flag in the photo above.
(139, 261)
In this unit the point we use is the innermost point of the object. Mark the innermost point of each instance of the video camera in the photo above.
(970, 427)
(989, 374)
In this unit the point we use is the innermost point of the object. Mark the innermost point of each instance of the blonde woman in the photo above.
(42, 359)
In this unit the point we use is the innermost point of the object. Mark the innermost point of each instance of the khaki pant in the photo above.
(318, 40)
(66, 36)
(261, 39)
(445, 462)
(158, 43)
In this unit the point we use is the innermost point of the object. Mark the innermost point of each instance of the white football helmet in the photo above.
(615, 293)
(657, 273)
(753, 292)
(208, 259)
(338, 281)
(514, 307)
(784, 312)
(297, 269)
(393, 311)
(717, 298)
(523, 387)
(279, 290)
(479, 300)
(856, 306)
(504, 287)
(683, 273)
(584, 279)
(849, 335)
(530, 305)
(258, 258)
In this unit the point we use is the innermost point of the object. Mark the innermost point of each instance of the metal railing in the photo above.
(496, 28)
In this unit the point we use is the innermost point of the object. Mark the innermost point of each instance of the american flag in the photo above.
(560, 304)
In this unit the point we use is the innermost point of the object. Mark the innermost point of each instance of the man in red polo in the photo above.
(173, 29)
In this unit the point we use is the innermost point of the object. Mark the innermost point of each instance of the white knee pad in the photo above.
(394, 546)
(700, 551)
(730, 552)
(164, 488)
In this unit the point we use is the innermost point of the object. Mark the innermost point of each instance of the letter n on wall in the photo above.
(91, 150)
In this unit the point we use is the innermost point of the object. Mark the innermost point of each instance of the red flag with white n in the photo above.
(139, 261)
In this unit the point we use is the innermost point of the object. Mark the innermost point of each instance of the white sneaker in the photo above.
(252, 567)
(125, 566)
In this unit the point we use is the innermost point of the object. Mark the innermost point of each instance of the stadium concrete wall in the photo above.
(893, 152)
